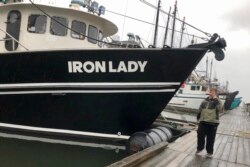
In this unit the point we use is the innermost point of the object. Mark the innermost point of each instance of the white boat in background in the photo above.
(193, 92)
(189, 97)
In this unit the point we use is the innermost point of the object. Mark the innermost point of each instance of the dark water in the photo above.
(24, 153)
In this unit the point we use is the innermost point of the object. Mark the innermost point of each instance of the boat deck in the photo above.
(231, 149)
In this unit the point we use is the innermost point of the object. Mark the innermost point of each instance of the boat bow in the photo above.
(216, 44)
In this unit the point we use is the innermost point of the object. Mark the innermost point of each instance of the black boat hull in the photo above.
(43, 89)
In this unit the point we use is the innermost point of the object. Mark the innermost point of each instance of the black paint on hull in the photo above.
(101, 109)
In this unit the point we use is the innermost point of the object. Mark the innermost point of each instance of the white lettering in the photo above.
(77, 65)
(111, 67)
(89, 67)
(100, 66)
(132, 66)
(122, 67)
(142, 65)
(70, 66)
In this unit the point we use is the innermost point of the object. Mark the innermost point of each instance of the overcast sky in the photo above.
(229, 18)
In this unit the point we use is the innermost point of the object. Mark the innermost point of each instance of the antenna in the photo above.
(91, 6)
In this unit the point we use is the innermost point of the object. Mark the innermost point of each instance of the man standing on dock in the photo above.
(208, 118)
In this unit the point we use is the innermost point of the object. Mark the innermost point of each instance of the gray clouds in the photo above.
(239, 18)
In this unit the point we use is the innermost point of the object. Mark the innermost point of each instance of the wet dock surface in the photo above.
(231, 149)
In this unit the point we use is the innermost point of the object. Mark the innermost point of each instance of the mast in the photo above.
(166, 30)
(156, 23)
(173, 28)
(192, 41)
(207, 68)
(227, 84)
(210, 72)
(182, 30)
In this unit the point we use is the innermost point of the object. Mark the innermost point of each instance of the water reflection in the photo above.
(28, 153)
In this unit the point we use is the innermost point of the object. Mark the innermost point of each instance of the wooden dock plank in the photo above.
(167, 160)
(138, 158)
(231, 148)
(240, 153)
(248, 151)
(219, 146)
(196, 161)
(156, 159)
(187, 161)
(226, 152)
(192, 149)
(186, 142)
(222, 164)
(234, 149)
(178, 160)
(240, 165)
(179, 143)
(229, 164)
(214, 163)
(206, 162)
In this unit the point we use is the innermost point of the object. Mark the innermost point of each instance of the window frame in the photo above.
(100, 44)
(193, 88)
(66, 26)
(33, 32)
(92, 40)
(204, 89)
(84, 35)
(13, 28)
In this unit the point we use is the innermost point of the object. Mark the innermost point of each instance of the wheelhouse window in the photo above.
(92, 34)
(130, 46)
(100, 39)
(204, 88)
(37, 24)
(13, 28)
(59, 26)
(193, 87)
(78, 30)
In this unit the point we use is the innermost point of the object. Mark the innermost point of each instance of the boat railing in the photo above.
(11, 38)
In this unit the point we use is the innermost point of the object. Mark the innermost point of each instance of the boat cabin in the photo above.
(25, 26)
(191, 88)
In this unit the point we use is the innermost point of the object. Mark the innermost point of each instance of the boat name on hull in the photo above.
(106, 67)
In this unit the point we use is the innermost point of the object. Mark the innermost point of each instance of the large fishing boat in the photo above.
(56, 77)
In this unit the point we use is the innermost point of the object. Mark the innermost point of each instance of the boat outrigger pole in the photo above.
(182, 30)
(173, 28)
(187, 24)
(156, 23)
(166, 30)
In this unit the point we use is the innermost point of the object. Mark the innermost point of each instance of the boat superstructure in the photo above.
(63, 28)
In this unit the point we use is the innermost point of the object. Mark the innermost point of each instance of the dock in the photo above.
(231, 148)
